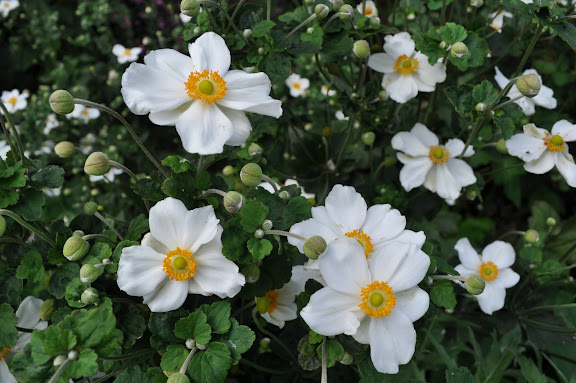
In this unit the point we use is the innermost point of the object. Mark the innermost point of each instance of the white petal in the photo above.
(461, 171)
(28, 312)
(309, 228)
(414, 172)
(240, 126)
(300, 275)
(566, 167)
(492, 298)
(425, 135)
(284, 313)
(155, 244)
(118, 50)
(399, 44)
(174, 63)
(427, 76)
(346, 207)
(344, 267)
(501, 80)
(534, 131)
(543, 164)
(447, 186)
(500, 253)
(204, 129)
(382, 62)
(410, 144)
(525, 147)
(401, 265)
(403, 89)
(168, 117)
(216, 53)
(383, 224)
(545, 98)
(5, 374)
(140, 270)
(392, 342)
(467, 255)
(455, 147)
(527, 105)
(250, 92)
(331, 313)
(167, 222)
(363, 333)
(413, 303)
(199, 227)
(169, 296)
(565, 129)
(409, 236)
(506, 278)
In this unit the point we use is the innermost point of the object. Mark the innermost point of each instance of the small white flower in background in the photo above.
(126, 55)
(4, 149)
(112, 75)
(498, 19)
(14, 100)
(527, 1)
(7, 5)
(87, 143)
(565, 2)
(28, 318)
(181, 255)
(110, 176)
(327, 91)
(84, 113)
(374, 302)
(542, 150)
(50, 123)
(369, 11)
(544, 98)
(199, 94)
(282, 302)
(267, 186)
(340, 116)
(493, 266)
(435, 166)
(297, 85)
(406, 71)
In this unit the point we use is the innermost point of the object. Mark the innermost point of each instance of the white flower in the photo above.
(527, 1)
(112, 75)
(493, 266)
(297, 85)
(126, 55)
(181, 255)
(346, 214)
(4, 149)
(110, 176)
(369, 11)
(14, 100)
(282, 303)
(340, 116)
(544, 98)
(185, 19)
(267, 186)
(84, 113)
(541, 150)
(375, 303)
(50, 123)
(7, 5)
(28, 318)
(435, 166)
(199, 94)
(406, 71)
(498, 19)
(327, 91)
(87, 143)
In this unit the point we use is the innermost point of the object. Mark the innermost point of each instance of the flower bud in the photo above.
(201, 347)
(314, 246)
(254, 149)
(347, 359)
(475, 284)
(59, 360)
(375, 22)
(345, 12)
(361, 49)
(251, 174)
(284, 195)
(477, 3)
(480, 107)
(72, 355)
(88, 273)
(531, 236)
(228, 170)
(89, 296)
(46, 309)
(251, 272)
(75, 248)
(267, 225)
(550, 221)
(261, 51)
(458, 50)
(78, 233)
(529, 85)
(177, 377)
(259, 233)
(2, 225)
(321, 11)
(64, 149)
(233, 202)
(97, 164)
(264, 345)
(368, 138)
(190, 343)
(190, 8)
(443, 44)
(262, 305)
(90, 208)
(501, 146)
(61, 102)
(336, 4)
(247, 33)
(308, 2)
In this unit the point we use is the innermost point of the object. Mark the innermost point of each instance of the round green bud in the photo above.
(368, 138)
(233, 202)
(442, 44)
(361, 49)
(261, 51)
(75, 248)
(321, 11)
(264, 345)
(178, 378)
(267, 225)
(375, 22)
(2, 225)
(251, 174)
(475, 284)
(46, 309)
(550, 221)
(458, 50)
(88, 273)
(480, 107)
(262, 305)
(314, 246)
(190, 8)
(201, 347)
(284, 195)
(97, 164)
(90, 208)
(531, 236)
(251, 272)
(61, 102)
(59, 360)
(347, 359)
(254, 149)
(247, 33)
(89, 296)
(228, 170)
(78, 233)
(529, 85)
(65, 149)
(190, 343)
(259, 233)
(336, 4)
(501, 146)
(345, 12)
(72, 355)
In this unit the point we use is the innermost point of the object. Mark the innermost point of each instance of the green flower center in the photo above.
(556, 140)
(180, 263)
(206, 87)
(376, 299)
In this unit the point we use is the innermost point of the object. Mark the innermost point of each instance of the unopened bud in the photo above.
(262, 305)
(89, 296)
(2, 226)
(264, 345)
(361, 49)
(254, 149)
(259, 234)
(72, 355)
(251, 174)
(59, 360)
(308, 2)
(97, 164)
(458, 50)
(64, 149)
(177, 377)
(475, 284)
(267, 225)
(228, 170)
(75, 248)
(336, 4)
(529, 85)
(314, 246)
(375, 22)
(61, 102)
(347, 359)
(90, 208)
(284, 195)
(321, 11)
(190, 8)
(368, 138)
(46, 309)
(345, 12)
(190, 343)
(531, 236)
(88, 273)
(443, 44)
(201, 347)
(480, 107)
(78, 233)
(477, 3)
(247, 33)
(251, 272)
(233, 202)
(501, 146)
(550, 221)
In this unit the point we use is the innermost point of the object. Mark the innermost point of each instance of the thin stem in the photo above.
(8, 140)
(394, 7)
(549, 307)
(105, 377)
(128, 356)
(241, 309)
(324, 376)
(127, 125)
(530, 47)
(567, 253)
(508, 102)
(512, 232)
(105, 221)
(346, 139)
(240, 4)
(231, 23)
(309, 19)
(199, 167)
(271, 182)
(59, 372)
(286, 234)
(26, 225)
(20, 242)
(124, 169)
(560, 270)
(449, 277)
(332, 18)
(13, 128)
(443, 13)
(93, 236)
(272, 336)
(212, 191)
(268, 9)
(187, 361)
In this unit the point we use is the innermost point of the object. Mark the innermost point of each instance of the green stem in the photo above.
(449, 277)
(332, 18)
(550, 307)
(128, 356)
(286, 234)
(212, 191)
(187, 361)
(13, 127)
(105, 222)
(547, 327)
(124, 169)
(241, 309)
(93, 236)
(26, 225)
(268, 9)
(230, 22)
(240, 4)
(529, 50)
(272, 336)
(127, 125)
(8, 140)
(105, 377)
(507, 102)
(271, 182)
(20, 242)
(59, 372)
(324, 376)
(308, 20)
(562, 269)
(346, 139)
(443, 13)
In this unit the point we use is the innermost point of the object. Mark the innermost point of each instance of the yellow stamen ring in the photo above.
(12, 100)
(406, 65)
(378, 299)
(363, 239)
(4, 351)
(179, 265)
(488, 271)
(272, 297)
(207, 86)
(554, 143)
(438, 154)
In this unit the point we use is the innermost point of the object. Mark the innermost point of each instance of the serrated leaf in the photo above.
(530, 371)
(238, 339)
(8, 320)
(194, 326)
(61, 277)
(174, 357)
(180, 186)
(262, 28)
(13, 177)
(8, 198)
(51, 176)
(137, 227)
(442, 294)
(85, 365)
(150, 187)
(162, 324)
(177, 164)
(276, 65)
(531, 254)
(211, 365)
(506, 126)
(218, 316)
(461, 98)
(259, 248)
(477, 49)
(459, 375)
(74, 291)
(29, 206)
(298, 209)
(134, 375)
(485, 92)
(95, 329)
(50, 342)
(334, 352)
(567, 32)
(253, 213)
(31, 268)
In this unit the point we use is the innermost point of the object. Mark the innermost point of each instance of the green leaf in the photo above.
(314, 337)
(150, 187)
(31, 268)
(85, 365)
(435, 5)
(234, 240)
(180, 186)
(74, 291)
(51, 176)
(262, 28)
(530, 371)
(29, 206)
(238, 339)
(253, 213)
(211, 366)
(506, 125)
(429, 47)
(194, 326)
(8, 320)
(337, 44)
(162, 324)
(485, 92)
(461, 98)
(13, 177)
(459, 375)
(10, 288)
(134, 375)
(26, 370)
(177, 164)
(138, 226)
(174, 357)
(277, 64)
(8, 197)
(477, 49)
(531, 254)
(567, 32)
(259, 248)
(61, 277)
(334, 352)
(450, 33)
(50, 342)
(442, 294)
(297, 210)
(218, 316)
